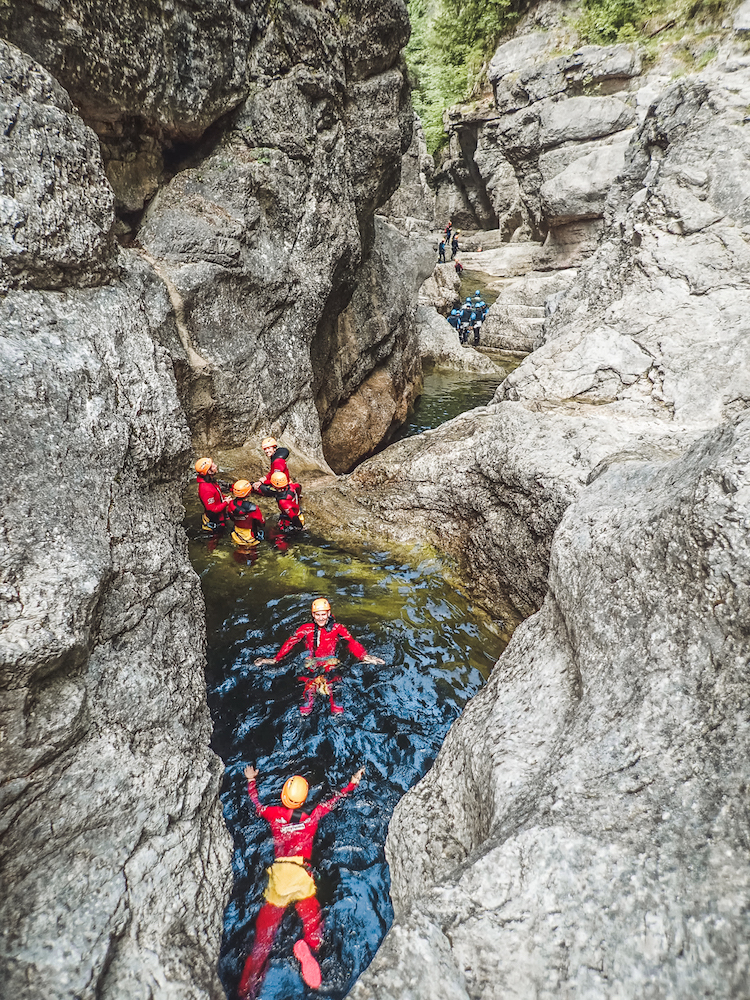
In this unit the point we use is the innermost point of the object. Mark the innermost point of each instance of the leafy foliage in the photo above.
(451, 42)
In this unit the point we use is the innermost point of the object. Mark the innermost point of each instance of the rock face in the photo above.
(579, 832)
(146, 76)
(374, 360)
(263, 237)
(114, 853)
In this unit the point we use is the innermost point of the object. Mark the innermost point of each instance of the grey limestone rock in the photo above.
(56, 207)
(581, 829)
(114, 853)
(145, 76)
(261, 239)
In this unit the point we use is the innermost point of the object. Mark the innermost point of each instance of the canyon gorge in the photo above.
(219, 221)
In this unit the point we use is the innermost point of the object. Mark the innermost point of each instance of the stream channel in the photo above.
(438, 648)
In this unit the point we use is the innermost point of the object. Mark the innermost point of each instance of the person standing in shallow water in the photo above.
(289, 879)
(213, 500)
(321, 637)
(277, 456)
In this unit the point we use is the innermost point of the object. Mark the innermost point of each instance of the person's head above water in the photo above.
(268, 446)
(241, 488)
(294, 792)
(321, 610)
(279, 479)
(206, 467)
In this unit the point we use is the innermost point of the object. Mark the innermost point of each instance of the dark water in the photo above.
(438, 650)
(473, 280)
(447, 393)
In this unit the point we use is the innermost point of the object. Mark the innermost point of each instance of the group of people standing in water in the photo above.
(235, 506)
(290, 877)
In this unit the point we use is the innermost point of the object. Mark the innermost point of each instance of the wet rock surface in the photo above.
(596, 782)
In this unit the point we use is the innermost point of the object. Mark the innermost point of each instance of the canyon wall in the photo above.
(582, 831)
(188, 198)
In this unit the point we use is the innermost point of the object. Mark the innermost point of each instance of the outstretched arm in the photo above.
(325, 807)
(290, 643)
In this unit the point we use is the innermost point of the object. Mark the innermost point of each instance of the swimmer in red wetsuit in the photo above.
(289, 879)
(278, 457)
(321, 637)
(213, 500)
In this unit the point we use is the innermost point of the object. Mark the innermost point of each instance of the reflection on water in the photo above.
(438, 650)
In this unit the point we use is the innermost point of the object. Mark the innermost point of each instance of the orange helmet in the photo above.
(268, 443)
(203, 465)
(320, 604)
(294, 792)
(242, 487)
(279, 479)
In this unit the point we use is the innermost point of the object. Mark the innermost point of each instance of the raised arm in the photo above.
(251, 773)
(325, 807)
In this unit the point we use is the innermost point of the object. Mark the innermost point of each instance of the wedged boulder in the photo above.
(515, 320)
(582, 118)
(56, 207)
(580, 830)
(579, 192)
(439, 345)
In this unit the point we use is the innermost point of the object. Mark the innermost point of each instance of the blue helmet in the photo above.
(468, 298)
(454, 312)
(477, 292)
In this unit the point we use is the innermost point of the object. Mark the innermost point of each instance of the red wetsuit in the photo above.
(278, 464)
(322, 642)
(292, 837)
(213, 502)
(245, 514)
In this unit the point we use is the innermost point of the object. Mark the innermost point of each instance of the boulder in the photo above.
(582, 118)
(580, 190)
(442, 289)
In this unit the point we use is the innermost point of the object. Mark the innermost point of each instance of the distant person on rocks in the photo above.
(249, 526)
(447, 232)
(277, 456)
(454, 246)
(321, 637)
(458, 266)
(455, 321)
(441, 252)
(289, 879)
(213, 500)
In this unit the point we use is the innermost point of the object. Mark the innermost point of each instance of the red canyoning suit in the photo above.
(322, 642)
(213, 502)
(293, 832)
(278, 464)
(248, 521)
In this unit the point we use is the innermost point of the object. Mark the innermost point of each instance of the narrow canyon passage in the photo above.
(438, 648)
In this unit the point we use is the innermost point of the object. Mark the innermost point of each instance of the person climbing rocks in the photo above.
(290, 879)
(277, 456)
(213, 500)
(447, 231)
(455, 322)
(441, 252)
(287, 497)
(249, 526)
(458, 266)
(454, 246)
(321, 637)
